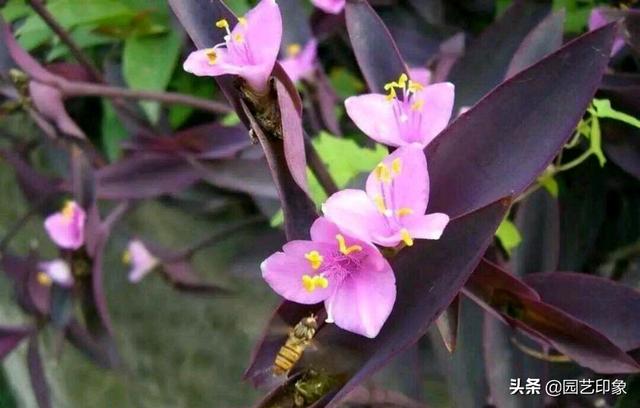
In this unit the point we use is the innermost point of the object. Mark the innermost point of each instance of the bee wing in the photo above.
(268, 380)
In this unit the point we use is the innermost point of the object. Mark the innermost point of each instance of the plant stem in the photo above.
(76, 51)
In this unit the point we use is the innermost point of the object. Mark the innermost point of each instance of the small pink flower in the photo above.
(410, 114)
(55, 271)
(330, 6)
(601, 16)
(351, 277)
(420, 75)
(66, 228)
(141, 260)
(392, 210)
(300, 63)
(250, 50)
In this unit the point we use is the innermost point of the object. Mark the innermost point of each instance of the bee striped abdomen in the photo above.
(287, 357)
(298, 340)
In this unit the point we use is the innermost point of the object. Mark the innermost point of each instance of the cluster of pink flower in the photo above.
(341, 264)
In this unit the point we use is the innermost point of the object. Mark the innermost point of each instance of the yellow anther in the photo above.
(401, 212)
(293, 49)
(396, 166)
(418, 105)
(415, 86)
(222, 23)
(314, 258)
(406, 237)
(211, 55)
(382, 173)
(311, 283)
(402, 81)
(379, 201)
(67, 210)
(44, 279)
(320, 282)
(126, 257)
(238, 38)
(344, 249)
(243, 21)
(307, 282)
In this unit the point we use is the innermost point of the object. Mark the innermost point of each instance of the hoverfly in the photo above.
(299, 339)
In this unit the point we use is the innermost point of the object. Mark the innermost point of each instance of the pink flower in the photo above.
(420, 75)
(66, 228)
(410, 114)
(392, 210)
(601, 16)
(141, 260)
(300, 63)
(55, 271)
(351, 276)
(249, 50)
(330, 6)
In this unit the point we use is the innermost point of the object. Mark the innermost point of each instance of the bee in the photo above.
(299, 339)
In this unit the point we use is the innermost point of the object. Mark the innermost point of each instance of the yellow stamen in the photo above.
(401, 212)
(126, 257)
(211, 55)
(344, 249)
(293, 49)
(402, 81)
(415, 86)
(379, 201)
(396, 166)
(238, 38)
(44, 279)
(311, 283)
(406, 237)
(222, 23)
(243, 21)
(418, 105)
(314, 258)
(67, 210)
(382, 173)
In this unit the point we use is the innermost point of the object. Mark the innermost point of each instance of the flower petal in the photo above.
(428, 226)
(66, 228)
(420, 75)
(262, 34)
(284, 272)
(198, 63)
(438, 105)
(364, 300)
(330, 6)
(59, 272)
(374, 115)
(410, 187)
(303, 64)
(142, 261)
(356, 214)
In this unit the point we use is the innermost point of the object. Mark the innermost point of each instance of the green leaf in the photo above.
(595, 138)
(230, 119)
(605, 111)
(345, 83)
(550, 184)
(84, 37)
(508, 235)
(70, 14)
(147, 64)
(239, 7)
(112, 132)
(186, 83)
(14, 10)
(344, 159)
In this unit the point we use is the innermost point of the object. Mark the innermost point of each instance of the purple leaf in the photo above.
(486, 61)
(182, 276)
(299, 211)
(293, 136)
(145, 176)
(544, 39)
(10, 338)
(538, 220)
(546, 323)
(37, 375)
(423, 293)
(247, 176)
(48, 101)
(80, 338)
(208, 141)
(34, 185)
(447, 324)
(376, 52)
(607, 306)
(495, 149)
